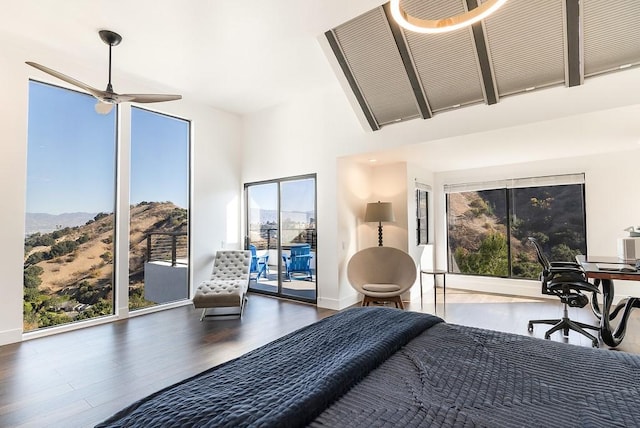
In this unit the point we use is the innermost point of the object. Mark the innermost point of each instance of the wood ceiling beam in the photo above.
(575, 70)
(486, 71)
(403, 49)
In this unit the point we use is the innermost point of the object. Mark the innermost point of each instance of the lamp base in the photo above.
(380, 234)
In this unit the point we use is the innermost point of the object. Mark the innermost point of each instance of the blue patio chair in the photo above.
(298, 261)
(258, 263)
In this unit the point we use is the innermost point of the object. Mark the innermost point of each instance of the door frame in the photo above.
(278, 182)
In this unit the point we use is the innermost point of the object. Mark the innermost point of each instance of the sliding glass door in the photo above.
(281, 233)
(262, 236)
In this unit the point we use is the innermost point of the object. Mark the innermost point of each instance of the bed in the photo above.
(378, 366)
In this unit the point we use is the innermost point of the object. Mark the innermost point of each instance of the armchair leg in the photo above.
(396, 300)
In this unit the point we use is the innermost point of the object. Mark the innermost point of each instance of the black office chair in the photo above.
(567, 281)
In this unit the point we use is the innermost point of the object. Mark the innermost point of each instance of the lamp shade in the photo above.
(378, 212)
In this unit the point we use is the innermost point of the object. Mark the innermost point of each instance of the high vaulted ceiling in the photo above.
(397, 75)
(245, 55)
(236, 55)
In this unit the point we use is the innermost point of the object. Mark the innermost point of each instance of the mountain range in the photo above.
(45, 223)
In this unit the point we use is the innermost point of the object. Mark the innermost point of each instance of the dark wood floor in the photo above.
(79, 378)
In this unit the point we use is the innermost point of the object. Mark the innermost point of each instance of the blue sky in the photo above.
(297, 195)
(71, 154)
(159, 158)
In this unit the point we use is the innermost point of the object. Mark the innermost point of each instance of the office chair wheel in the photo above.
(530, 327)
(595, 344)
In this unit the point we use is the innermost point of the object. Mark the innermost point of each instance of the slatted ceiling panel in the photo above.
(433, 9)
(446, 63)
(447, 68)
(374, 60)
(611, 34)
(526, 47)
(526, 44)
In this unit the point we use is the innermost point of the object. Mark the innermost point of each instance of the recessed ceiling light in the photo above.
(624, 66)
(373, 160)
(530, 88)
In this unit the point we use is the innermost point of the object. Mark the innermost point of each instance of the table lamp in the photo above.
(379, 212)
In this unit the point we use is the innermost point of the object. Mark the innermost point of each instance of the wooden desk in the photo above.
(435, 273)
(604, 280)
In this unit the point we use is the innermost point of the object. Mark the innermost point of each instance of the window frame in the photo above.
(509, 186)
(422, 227)
(74, 323)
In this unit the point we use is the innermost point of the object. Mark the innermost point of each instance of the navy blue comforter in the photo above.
(287, 382)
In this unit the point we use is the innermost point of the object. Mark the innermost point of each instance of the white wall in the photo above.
(418, 174)
(389, 184)
(215, 207)
(13, 178)
(307, 134)
(353, 192)
(359, 184)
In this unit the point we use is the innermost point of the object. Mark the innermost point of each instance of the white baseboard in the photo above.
(336, 304)
(510, 287)
(10, 336)
(525, 288)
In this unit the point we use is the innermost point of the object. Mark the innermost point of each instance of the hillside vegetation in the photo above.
(68, 273)
(478, 229)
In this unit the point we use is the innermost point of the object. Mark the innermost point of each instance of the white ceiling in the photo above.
(242, 56)
(236, 55)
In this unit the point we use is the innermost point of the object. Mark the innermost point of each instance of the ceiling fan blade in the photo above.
(148, 98)
(93, 91)
(107, 98)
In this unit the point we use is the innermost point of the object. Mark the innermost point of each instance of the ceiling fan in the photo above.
(107, 98)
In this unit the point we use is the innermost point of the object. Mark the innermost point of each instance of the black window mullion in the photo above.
(509, 211)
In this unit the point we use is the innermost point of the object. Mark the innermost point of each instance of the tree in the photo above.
(37, 257)
(563, 252)
(490, 259)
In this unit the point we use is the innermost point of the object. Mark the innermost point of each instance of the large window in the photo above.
(69, 250)
(69, 236)
(158, 218)
(488, 224)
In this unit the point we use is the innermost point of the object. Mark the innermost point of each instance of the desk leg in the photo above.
(595, 307)
(614, 338)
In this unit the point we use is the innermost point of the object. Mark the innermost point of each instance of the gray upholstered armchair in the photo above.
(225, 293)
(381, 274)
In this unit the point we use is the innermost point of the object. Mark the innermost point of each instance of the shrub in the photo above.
(31, 277)
(82, 239)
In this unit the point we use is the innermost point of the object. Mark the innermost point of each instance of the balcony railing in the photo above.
(168, 246)
(267, 239)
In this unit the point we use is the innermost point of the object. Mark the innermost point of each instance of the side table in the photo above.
(435, 273)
